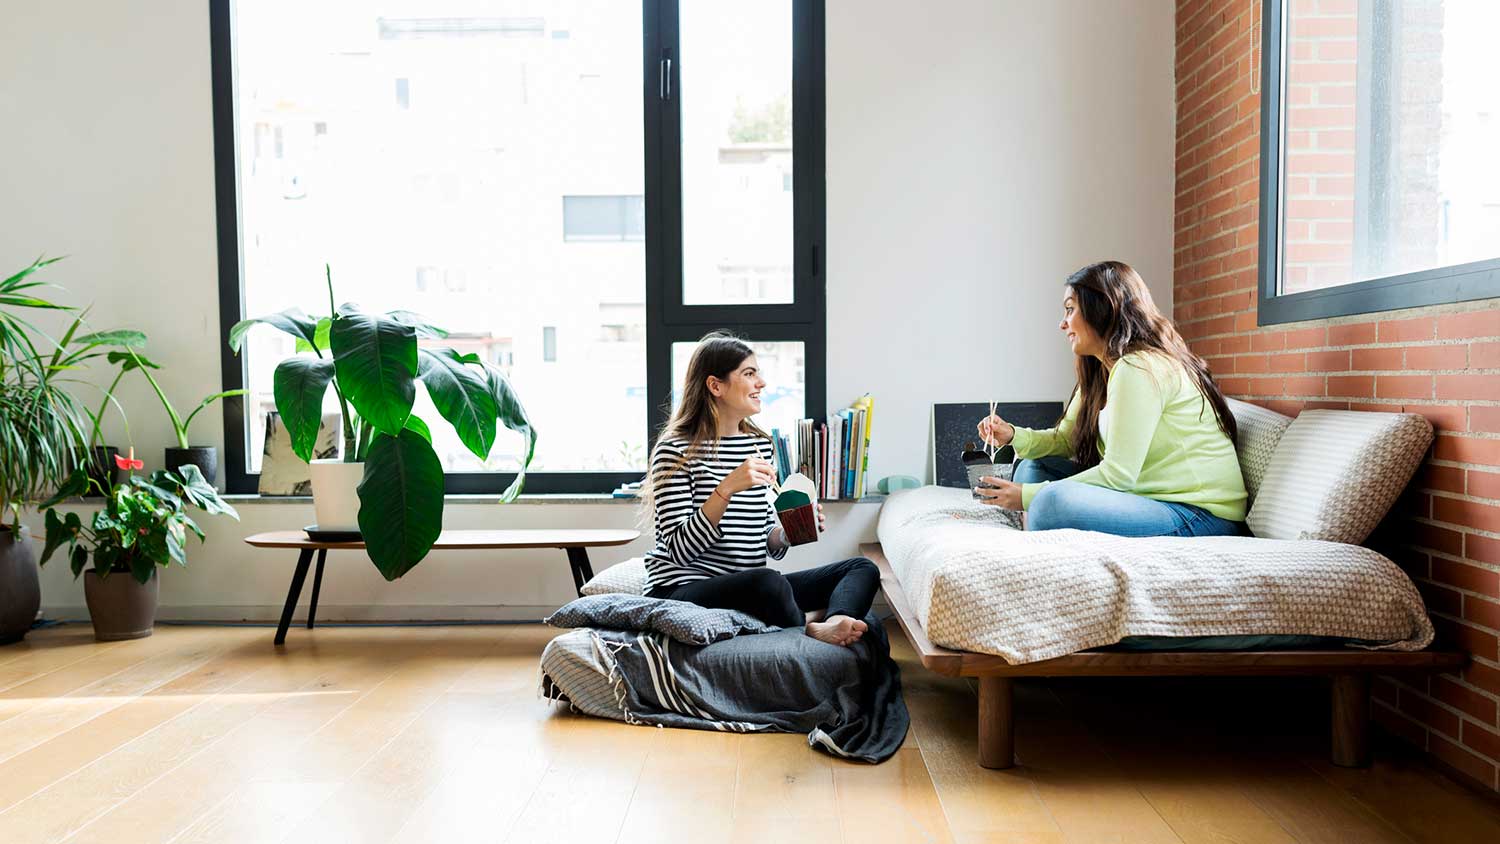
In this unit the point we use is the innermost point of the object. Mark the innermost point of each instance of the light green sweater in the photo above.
(1158, 437)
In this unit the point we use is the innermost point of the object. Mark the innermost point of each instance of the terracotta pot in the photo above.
(120, 607)
(335, 486)
(20, 587)
(205, 457)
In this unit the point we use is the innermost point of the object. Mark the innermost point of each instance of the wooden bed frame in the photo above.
(1349, 669)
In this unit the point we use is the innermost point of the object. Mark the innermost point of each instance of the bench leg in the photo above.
(304, 559)
(1351, 720)
(312, 608)
(578, 561)
(997, 736)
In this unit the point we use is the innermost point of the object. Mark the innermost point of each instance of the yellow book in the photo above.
(867, 404)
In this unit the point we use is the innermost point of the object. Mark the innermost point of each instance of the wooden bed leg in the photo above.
(997, 725)
(1351, 720)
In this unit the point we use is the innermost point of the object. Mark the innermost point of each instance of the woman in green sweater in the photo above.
(1146, 446)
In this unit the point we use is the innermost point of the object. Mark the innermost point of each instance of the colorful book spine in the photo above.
(867, 403)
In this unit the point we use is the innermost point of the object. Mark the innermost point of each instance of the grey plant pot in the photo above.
(120, 607)
(205, 457)
(20, 587)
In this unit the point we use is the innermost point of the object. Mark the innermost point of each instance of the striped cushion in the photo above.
(1260, 431)
(1336, 473)
(576, 666)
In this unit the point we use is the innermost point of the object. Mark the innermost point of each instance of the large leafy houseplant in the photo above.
(374, 362)
(43, 428)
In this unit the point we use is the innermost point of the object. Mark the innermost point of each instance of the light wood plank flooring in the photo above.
(419, 734)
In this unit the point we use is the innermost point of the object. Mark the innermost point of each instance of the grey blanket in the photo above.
(847, 700)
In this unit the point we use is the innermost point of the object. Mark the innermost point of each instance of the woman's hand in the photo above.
(822, 520)
(752, 473)
(1001, 493)
(996, 431)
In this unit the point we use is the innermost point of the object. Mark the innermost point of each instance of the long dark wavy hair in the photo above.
(1114, 301)
(696, 419)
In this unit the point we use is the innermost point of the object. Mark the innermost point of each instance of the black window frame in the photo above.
(1438, 286)
(668, 320)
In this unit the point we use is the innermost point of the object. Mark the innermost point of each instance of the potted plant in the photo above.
(205, 457)
(144, 524)
(41, 427)
(388, 483)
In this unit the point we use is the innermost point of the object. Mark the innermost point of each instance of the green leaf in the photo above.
(11, 300)
(58, 534)
(419, 322)
(176, 541)
(142, 568)
(128, 361)
(321, 336)
(292, 320)
(77, 484)
(78, 559)
(14, 282)
(299, 385)
(118, 337)
(198, 490)
(415, 423)
(376, 360)
(462, 395)
(513, 416)
(400, 502)
(208, 401)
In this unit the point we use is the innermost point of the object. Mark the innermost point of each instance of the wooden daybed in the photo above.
(1350, 671)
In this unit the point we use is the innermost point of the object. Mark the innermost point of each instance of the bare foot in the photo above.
(814, 615)
(837, 630)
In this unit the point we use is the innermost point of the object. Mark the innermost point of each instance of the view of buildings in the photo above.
(482, 163)
(1379, 175)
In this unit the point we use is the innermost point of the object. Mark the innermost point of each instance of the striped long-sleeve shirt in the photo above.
(689, 547)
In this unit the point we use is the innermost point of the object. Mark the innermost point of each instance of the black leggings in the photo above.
(845, 588)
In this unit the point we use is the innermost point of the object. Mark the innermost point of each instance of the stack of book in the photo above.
(835, 453)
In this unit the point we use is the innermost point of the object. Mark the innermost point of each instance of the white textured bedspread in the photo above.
(979, 585)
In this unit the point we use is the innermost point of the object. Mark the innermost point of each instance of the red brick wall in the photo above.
(1442, 362)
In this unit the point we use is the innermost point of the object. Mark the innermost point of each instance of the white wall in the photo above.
(978, 151)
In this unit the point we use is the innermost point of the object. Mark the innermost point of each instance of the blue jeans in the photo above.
(1070, 504)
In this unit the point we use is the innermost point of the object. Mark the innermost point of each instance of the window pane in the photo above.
(1391, 123)
(736, 152)
(431, 161)
(783, 401)
(604, 218)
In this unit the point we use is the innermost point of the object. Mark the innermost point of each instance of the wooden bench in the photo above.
(1350, 670)
(575, 542)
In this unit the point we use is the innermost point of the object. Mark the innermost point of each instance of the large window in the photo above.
(576, 191)
(1380, 180)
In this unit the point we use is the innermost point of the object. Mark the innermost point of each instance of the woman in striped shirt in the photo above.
(715, 525)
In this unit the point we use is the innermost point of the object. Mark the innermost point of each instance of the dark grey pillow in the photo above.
(679, 620)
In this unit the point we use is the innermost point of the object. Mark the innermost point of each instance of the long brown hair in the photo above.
(696, 419)
(1115, 302)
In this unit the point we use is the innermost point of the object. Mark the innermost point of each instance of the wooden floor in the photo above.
(421, 734)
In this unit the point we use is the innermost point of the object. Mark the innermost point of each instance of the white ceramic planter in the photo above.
(335, 500)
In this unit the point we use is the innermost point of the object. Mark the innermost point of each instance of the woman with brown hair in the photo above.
(1146, 446)
(715, 525)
